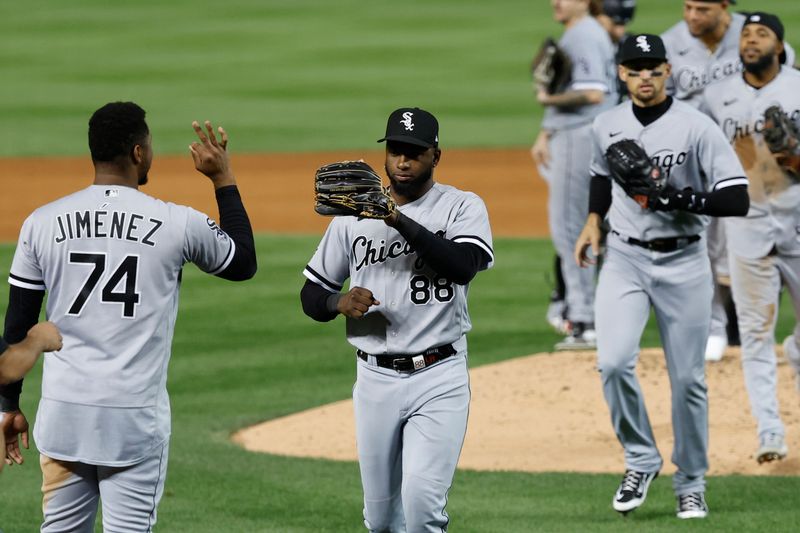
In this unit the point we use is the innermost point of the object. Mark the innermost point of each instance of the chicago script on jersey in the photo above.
(365, 253)
(104, 225)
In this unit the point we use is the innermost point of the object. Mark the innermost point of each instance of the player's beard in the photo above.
(410, 189)
(143, 180)
(760, 65)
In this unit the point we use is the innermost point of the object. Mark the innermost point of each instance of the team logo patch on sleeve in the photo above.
(213, 227)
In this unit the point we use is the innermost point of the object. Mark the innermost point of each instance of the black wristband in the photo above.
(9, 396)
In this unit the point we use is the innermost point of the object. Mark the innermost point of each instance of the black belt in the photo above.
(411, 362)
(663, 245)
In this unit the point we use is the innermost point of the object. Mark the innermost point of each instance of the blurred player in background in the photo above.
(562, 151)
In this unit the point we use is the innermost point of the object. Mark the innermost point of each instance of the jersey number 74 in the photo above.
(126, 270)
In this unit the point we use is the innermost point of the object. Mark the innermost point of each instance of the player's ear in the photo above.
(622, 73)
(779, 48)
(437, 154)
(137, 154)
(667, 70)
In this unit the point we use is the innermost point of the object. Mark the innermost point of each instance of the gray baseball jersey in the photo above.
(110, 259)
(694, 67)
(690, 149)
(774, 195)
(419, 309)
(593, 68)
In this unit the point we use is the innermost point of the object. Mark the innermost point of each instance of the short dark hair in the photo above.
(115, 129)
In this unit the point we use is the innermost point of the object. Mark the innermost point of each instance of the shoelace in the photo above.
(691, 501)
(631, 481)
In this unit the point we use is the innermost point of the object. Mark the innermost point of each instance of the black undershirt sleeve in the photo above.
(24, 306)
(599, 195)
(730, 201)
(318, 302)
(234, 221)
(458, 262)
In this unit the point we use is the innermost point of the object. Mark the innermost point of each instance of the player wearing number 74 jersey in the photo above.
(110, 259)
(407, 318)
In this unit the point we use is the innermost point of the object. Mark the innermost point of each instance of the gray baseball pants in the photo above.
(567, 208)
(678, 287)
(129, 494)
(409, 432)
(756, 285)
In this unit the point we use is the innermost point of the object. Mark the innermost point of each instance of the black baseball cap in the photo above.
(642, 46)
(412, 125)
(620, 11)
(766, 19)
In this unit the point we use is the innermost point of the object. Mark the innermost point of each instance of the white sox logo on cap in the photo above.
(641, 42)
(407, 116)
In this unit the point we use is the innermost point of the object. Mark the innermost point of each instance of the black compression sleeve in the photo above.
(234, 221)
(22, 314)
(730, 201)
(599, 195)
(458, 262)
(318, 302)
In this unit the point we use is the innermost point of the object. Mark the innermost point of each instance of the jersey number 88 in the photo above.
(423, 289)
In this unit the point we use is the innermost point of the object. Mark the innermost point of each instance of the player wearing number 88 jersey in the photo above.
(407, 318)
(110, 259)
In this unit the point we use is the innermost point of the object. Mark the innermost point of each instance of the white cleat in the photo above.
(715, 348)
(771, 447)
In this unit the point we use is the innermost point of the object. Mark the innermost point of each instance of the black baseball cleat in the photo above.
(692, 506)
(632, 490)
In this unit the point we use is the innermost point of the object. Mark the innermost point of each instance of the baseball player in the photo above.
(616, 15)
(764, 247)
(704, 48)
(561, 150)
(656, 257)
(406, 315)
(110, 259)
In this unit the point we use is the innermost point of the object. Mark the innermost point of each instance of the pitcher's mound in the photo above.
(546, 412)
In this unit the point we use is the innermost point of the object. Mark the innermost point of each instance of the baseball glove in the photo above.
(631, 167)
(351, 188)
(783, 139)
(551, 68)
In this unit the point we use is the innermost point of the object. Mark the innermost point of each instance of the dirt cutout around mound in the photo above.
(536, 413)
(546, 412)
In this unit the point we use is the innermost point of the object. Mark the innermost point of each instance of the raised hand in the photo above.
(211, 155)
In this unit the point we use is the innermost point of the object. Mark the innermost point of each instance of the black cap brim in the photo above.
(406, 139)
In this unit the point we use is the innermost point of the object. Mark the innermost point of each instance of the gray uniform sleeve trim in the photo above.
(730, 182)
(314, 276)
(24, 283)
(227, 261)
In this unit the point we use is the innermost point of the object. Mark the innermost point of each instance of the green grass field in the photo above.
(245, 353)
(283, 75)
(300, 75)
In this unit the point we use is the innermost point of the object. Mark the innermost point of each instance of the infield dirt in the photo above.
(536, 413)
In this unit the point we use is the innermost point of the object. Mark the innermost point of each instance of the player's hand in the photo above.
(542, 96)
(540, 151)
(356, 302)
(46, 337)
(211, 155)
(589, 238)
(14, 424)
